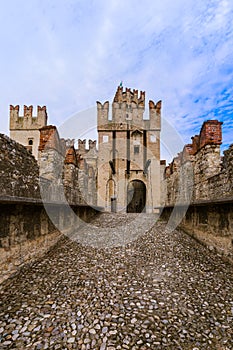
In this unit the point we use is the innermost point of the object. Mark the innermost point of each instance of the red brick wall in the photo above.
(211, 133)
(49, 138)
(71, 157)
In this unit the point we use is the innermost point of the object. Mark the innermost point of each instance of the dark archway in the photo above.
(136, 196)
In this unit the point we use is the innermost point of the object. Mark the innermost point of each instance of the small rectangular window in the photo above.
(105, 138)
(153, 138)
(136, 149)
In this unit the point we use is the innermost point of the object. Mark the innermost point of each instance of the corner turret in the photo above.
(155, 114)
(25, 128)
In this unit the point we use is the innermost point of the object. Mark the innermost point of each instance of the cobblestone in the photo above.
(160, 290)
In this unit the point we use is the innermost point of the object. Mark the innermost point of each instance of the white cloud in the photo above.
(69, 54)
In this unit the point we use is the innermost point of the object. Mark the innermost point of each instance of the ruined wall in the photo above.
(201, 178)
(28, 225)
(19, 172)
(25, 229)
(87, 173)
(219, 186)
(71, 174)
(199, 172)
(67, 174)
(210, 223)
(51, 155)
(27, 232)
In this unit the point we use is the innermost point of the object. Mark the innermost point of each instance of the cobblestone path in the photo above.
(160, 291)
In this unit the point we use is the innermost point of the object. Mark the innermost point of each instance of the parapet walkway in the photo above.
(121, 282)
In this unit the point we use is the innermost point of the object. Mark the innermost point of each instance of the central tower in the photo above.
(129, 153)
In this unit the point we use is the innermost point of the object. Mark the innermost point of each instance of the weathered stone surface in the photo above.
(129, 153)
(200, 177)
(25, 128)
(27, 231)
(19, 171)
(210, 223)
(199, 172)
(161, 290)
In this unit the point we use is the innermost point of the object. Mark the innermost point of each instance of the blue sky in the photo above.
(69, 54)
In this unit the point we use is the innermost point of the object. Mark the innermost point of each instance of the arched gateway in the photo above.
(136, 197)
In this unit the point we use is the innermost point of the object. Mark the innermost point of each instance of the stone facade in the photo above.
(19, 171)
(65, 173)
(88, 170)
(25, 129)
(126, 170)
(51, 158)
(27, 232)
(71, 172)
(199, 170)
(198, 192)
(126, 173)
(26, 228)
(129, 153)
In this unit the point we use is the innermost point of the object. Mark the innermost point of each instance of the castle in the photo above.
(125, 173)
(129, 153)
(42, 170)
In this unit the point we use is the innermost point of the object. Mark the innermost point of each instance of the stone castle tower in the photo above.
(25, 129)
(129, 153)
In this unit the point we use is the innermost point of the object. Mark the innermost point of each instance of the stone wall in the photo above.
(51, 155)
(199, 178)
(87, 173)
(72, 172)
(220, 184)
(27, 232)
(210, 223)
(19, 171)
(199, 172)
(29, 224)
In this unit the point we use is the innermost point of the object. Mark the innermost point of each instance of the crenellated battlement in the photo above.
(155, 114)
(129, 96)
(102, 113)
(128, 109)
(27, 121)
(69, 143)
(157, 106)
(92, 144)
(27, 111)
(105, 105)
(82, 146)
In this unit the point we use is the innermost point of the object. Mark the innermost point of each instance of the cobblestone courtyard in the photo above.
(156, 290)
